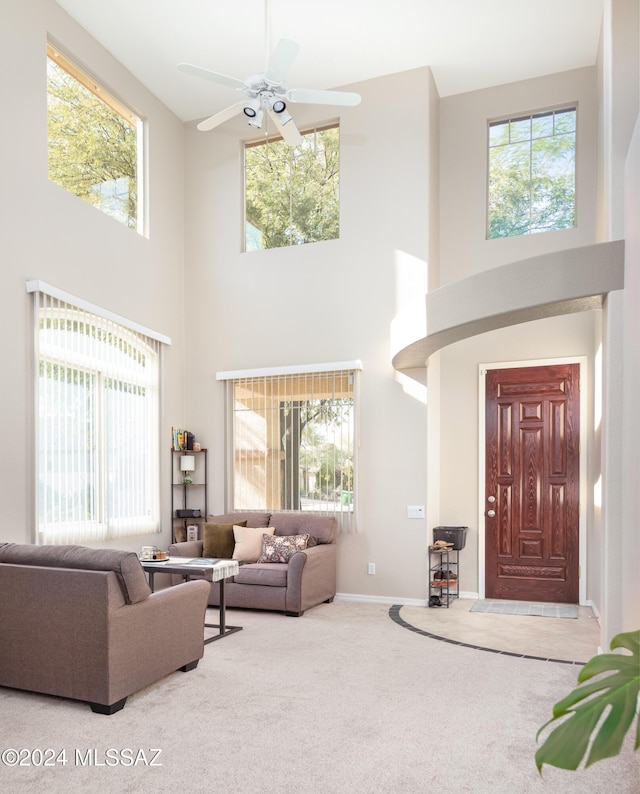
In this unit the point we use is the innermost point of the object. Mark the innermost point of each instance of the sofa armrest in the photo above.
(312, 577)
(156, 636)
(167, 607)
(186, 548)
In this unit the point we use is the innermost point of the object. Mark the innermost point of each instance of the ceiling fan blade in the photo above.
(281, 61)
(221, 117)
(313, 97)
(288, 130)
(207, 74)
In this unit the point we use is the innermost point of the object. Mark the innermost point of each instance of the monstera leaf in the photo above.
(617, 693)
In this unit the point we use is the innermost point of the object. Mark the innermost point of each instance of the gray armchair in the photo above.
(82, 623)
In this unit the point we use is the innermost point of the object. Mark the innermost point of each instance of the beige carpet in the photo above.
(341, 701)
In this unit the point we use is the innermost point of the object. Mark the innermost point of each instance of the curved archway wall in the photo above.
(528, 299)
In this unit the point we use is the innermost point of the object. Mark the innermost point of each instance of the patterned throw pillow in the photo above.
(280, 548)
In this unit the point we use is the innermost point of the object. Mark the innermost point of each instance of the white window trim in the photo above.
(502, 119)
(54, 292)
(42, 288)
(110, 98)
(301, 369)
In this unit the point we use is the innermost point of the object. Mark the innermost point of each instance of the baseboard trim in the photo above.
(372, 599)
(405, 602)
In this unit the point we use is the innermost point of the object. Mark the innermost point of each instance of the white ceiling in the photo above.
(469, 44)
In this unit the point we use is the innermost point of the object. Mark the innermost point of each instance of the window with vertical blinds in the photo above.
(291, 442)
(97, 418)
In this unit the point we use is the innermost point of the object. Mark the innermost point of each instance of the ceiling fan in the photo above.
(268, 92)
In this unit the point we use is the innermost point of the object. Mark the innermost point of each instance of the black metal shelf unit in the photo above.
(443, 576)
(188, 492)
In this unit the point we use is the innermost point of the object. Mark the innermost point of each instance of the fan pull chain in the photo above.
(267, 34)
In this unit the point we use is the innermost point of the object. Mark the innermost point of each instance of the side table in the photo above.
(211, 571)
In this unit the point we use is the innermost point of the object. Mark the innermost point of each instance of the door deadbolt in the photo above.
(491, 499)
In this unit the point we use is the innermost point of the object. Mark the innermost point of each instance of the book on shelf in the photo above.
(182, 440)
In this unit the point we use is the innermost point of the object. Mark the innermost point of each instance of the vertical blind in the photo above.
(292, 443)
(97, 419)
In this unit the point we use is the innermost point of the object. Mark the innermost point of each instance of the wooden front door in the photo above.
(532, 483)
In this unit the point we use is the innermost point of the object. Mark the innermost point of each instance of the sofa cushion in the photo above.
(281, 548)
(323, 528)
(253, 518)
(270, 575)
(248, 542)
(125, 564)
(218, 540)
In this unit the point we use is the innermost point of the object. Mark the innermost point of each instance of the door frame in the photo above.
(582, 361)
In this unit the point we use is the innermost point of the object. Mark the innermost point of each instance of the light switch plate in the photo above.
(415, 511)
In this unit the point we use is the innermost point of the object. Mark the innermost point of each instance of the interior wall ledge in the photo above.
(561, 282)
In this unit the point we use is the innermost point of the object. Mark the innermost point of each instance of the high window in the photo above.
(292, 193)
(532, 173)
(97, 419)
(94, 142)
(291, 441)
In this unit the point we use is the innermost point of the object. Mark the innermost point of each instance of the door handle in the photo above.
(491, 513)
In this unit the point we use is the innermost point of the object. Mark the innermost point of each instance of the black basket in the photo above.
(455, 535)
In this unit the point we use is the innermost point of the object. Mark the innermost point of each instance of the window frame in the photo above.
(265, 140)
(572, 106)
(60, 311)
(84, 77)
(346, 512)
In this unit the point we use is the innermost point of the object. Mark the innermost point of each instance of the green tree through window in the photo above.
(532, 173)
(292, 444)
(93, 141)
(292, 193)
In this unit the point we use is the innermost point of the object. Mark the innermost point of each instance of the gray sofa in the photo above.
(308, 579)
(83, 624)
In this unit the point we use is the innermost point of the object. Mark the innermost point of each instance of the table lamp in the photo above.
(187, 465)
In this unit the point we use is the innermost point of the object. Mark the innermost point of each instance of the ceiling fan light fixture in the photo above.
(256, 119)
(252, 110)
(279, 106)
(284, 117)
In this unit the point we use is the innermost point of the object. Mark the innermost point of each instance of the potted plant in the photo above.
(584, 732)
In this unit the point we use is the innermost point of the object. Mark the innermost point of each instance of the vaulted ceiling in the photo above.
(469, 44)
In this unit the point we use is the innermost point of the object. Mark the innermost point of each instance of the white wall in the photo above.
(330, 301)
(49, 234)
(620, 158)
(629, 557)
(464, 250)
(244, 310)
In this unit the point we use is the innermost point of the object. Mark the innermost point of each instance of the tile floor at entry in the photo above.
(555, 638)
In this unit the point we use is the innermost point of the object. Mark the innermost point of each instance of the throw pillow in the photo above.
(310, 543)
(248, 542)
(218, 540)
(281, 548)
